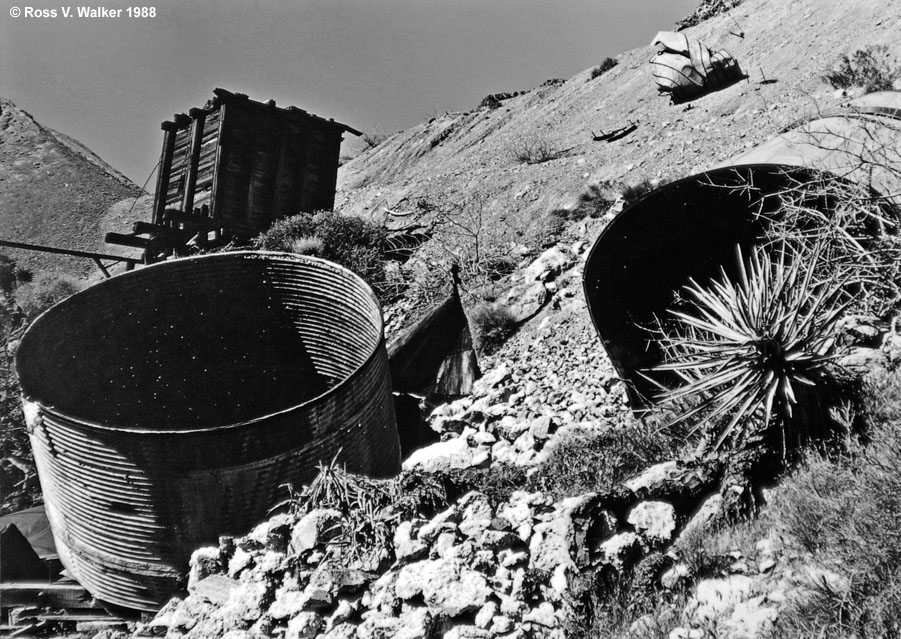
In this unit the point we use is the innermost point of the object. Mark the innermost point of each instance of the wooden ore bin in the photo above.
(167, 406)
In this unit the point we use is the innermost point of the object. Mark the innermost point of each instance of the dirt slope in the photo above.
(784, 47)
(53, 191)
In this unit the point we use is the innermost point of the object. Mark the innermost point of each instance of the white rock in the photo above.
(315, 528)
(715, 598)
(406, 548)
(491, 379)
(509, 558)
(523, 301)
(443, 456)
(445, 543)
(486, 614)
(653, 476)
(620, 549)
(240, 560)
(304, 626)
(671, 578)
(501, 625)
(504, 453)
(287, 603)
(751, 619)
(204, 562)
(442, 522)
(547, 266)
(543, 615)
(444, 584)
(654, 519)
(260, 533)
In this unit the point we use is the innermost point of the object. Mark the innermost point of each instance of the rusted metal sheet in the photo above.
(167, 406)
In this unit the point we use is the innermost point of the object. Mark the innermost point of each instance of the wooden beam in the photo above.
(199, 115)
(58, 595)
(72, 252)
(165, 169)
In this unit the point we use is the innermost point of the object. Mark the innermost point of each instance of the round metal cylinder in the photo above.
(168, 406)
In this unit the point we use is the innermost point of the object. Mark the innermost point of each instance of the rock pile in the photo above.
(517, 569)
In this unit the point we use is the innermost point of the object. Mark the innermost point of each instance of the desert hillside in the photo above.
(53, 191)
(784, 48)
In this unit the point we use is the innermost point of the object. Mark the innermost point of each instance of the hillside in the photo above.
(784, 48)
(53, 191)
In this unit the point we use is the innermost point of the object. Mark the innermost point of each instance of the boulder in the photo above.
(547, 266)
(447, 455)
(717, 598)
(204, 562)
(304, 625)
(475, 514)
(523, 301)
(709, 512)
(656, 520)
(446, 585)
(315, 528)
(406, 548)
(621, 550)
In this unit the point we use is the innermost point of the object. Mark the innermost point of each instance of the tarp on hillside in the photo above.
(685, 68)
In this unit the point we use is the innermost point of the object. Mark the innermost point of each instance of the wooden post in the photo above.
(165, 168)
(199, 116)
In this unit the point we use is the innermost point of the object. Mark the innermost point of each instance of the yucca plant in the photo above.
(756, 352)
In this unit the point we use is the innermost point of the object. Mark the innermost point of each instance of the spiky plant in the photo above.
(756, 351)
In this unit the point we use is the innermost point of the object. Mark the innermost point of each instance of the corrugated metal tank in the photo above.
(168, 405)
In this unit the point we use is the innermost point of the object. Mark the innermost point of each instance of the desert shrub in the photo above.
(593, 202)
(874, 68)
(848, 230)
(350, 241)
(756, 352)
(498, 483)
(598, 459)
(307, 245)
(370, 509)
(634, 192)
(12, 275)
(490, 102)
(844, 515)
(493, 324)
(44, 291)
(602, 68)
(534, 150)
(373, 139)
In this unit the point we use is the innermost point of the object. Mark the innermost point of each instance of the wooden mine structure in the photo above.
(232, 168)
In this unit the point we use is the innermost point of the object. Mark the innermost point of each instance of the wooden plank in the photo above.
(163, 174)
(56, 595)
(199, 116)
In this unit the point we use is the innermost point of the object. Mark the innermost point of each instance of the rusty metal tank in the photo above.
(167, 406)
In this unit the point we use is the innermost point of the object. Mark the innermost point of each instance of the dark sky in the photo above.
(373, 64)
